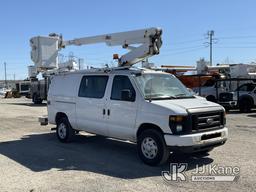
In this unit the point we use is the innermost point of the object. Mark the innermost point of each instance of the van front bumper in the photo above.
(197, 141)
(230, 104)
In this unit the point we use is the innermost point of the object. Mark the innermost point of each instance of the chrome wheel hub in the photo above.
(149, 148)
(62, 131)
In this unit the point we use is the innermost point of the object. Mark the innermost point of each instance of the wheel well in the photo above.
(147, 126)
(60, 115)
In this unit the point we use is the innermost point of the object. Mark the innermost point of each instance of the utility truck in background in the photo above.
(211, 81)
(39, 87)
(200, 78)
(150, 108)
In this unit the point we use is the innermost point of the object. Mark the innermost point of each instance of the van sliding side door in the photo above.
(90, 104)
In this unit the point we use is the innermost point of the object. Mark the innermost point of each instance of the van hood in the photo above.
(183, 104)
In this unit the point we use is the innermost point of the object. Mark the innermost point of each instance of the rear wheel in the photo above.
(36, 99)
(245, 106)
(152, 148)
(64, 131)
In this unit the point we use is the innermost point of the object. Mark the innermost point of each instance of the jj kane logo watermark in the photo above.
(213, 172)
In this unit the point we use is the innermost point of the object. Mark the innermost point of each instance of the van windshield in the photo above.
(162, 86)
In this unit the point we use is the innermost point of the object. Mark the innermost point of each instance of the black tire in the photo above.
(64, 131)
(36, 100)
(39, 101)
(227, 109)
(160, 154)
(245, 106)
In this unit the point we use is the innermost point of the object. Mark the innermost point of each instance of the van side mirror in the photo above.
(127, 95)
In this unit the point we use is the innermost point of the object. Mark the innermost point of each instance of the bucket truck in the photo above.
(141, 44)
(45, 50)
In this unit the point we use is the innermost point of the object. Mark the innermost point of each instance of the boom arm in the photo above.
(148, 43)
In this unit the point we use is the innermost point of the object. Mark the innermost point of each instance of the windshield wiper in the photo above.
(183, 95)
(160, 98)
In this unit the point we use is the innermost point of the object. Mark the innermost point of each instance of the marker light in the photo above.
(115, 56)
(176, 118)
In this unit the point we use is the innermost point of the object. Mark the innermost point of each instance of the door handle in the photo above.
(108, 112)
(104, 111)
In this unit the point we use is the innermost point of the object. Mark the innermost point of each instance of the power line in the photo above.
(189, 41)
(182, 48)
(238, 37)
(182, 52)
(251, 47)
(238, 43)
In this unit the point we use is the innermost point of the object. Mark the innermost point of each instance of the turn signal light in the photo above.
(177, 118)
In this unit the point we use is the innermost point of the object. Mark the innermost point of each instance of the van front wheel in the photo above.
(152, 148)
(64, 131)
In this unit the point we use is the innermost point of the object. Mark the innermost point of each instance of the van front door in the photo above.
(91, 103)
(121, 108)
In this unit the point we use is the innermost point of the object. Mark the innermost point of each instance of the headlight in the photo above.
(178, 128)
(177, 123)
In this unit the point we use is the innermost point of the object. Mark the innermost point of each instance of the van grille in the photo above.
(207, 121)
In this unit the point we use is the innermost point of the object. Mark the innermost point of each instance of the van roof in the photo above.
(114, 70)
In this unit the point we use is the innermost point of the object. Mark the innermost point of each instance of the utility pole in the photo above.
(80, 63)
(210, 37)
(14, 76)
(5, 80)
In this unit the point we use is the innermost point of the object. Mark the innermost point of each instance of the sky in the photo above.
(185, 24)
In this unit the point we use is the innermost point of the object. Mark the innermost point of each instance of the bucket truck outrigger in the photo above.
(150, 108)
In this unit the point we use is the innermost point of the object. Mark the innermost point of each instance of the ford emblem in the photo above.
(209, 121)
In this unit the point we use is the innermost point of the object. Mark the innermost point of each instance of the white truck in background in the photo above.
(211, 81)
(150, 108)
(39, 87)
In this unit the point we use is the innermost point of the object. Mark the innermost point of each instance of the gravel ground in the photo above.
(32, 159)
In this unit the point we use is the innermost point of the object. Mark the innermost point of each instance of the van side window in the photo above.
(121, 84)
(93, 86)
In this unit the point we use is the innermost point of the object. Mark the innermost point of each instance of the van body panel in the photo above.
(62, 97)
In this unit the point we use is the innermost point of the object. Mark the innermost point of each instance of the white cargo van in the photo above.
(153, 109)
